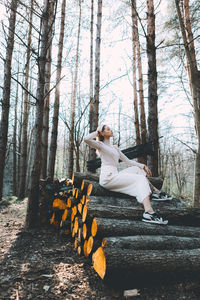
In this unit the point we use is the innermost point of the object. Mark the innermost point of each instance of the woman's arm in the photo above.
(89, 139)
(125, 159)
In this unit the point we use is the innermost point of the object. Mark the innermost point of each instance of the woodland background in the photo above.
(61, 75)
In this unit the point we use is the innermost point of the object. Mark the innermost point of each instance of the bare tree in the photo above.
(6, 91)
(23, 169)
(73, 102)
(92, 152)
(32, 209)
(188, 41)
(54, 132)
(152, 87)
(135, 97)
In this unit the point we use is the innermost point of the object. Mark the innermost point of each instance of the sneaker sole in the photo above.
(161, 199)
(155, 222)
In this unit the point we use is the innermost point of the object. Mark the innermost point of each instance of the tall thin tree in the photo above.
(23, 169)
(97, 64)
(73, 102)
(135, 96)
(194, 79)
(92, 152)
(54, 132)
(152, 87)
(6, 90)
(32, 209)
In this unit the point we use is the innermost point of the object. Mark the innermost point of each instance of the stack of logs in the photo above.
(107, 228)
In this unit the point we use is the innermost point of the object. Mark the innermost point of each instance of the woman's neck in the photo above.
(106, 141)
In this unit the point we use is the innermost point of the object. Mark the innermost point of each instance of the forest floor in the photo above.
(41, 264)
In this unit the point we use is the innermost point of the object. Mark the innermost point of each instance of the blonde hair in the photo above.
(100, 137)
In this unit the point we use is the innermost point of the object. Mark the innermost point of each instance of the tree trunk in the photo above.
(23, 166)
(115, 227)
(92, 151)
(176, 216)
(32, 209)
(73, 104)
(97, 65)
(150, 242)
(123, 267)
(6, 91)
(152, 87)
(54, 132)
(194, 79)
(45, 131)
(15, 144)
(135, 100)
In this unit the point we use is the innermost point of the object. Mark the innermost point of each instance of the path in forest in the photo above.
(40, 264)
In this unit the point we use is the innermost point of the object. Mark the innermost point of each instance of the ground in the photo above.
(41, 264)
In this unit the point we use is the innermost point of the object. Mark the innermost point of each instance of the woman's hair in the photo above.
(100, 137)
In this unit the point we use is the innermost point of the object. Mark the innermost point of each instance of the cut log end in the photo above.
(60, 204)
(80, 208)
(85, 248)
(99, 262)
(94, 227)
(76, 225)
(82, 185)
(79, 250)
(84, 231)
(90, 245)
(64, 216)
(84, 215)
(89, 189)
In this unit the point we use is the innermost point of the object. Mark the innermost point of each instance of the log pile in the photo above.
(107, 228)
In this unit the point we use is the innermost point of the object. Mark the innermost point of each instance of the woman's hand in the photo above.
(148, 171)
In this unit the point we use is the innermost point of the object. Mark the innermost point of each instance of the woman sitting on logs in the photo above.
(132, 181)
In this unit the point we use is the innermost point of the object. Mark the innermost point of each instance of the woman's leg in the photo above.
(147, 205)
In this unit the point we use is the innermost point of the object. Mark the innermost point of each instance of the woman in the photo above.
(131, 181)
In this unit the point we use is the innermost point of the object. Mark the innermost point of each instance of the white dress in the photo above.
(131, 181)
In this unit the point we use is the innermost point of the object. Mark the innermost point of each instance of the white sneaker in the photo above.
(162, 196)
(153, 218)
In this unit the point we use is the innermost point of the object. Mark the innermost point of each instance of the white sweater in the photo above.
(109, 154)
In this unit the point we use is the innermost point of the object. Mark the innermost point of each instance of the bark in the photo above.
(15, 145)
(92, 152)
(135, 98)
(194, 79)
(45, 131)
(147, 267)
(6, 91)
(33, 193)
(97, 65)
(152, 87)
(73, 103)
(176, 216)
(54, 132)
(123, 200)
(149, 242)
(23, 166)
(115, 227)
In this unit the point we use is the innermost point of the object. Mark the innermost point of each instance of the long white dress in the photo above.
(131, 181)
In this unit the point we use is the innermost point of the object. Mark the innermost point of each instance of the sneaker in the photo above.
(162, 196)
(153, 218)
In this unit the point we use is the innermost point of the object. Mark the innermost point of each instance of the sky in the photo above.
(115, 62)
